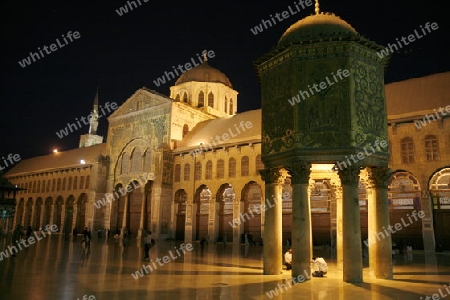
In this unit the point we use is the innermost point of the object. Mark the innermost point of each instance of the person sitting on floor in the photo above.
(288, 259)
(320, 267)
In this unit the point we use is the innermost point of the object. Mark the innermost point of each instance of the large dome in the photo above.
(321, 25)
(204, 73)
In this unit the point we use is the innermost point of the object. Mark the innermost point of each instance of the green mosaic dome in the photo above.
(317, 26)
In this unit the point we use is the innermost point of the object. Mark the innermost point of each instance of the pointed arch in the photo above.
(211, 100)
(180, 201)
(136, 160)
(225, 198)
(185, 129)
(245, 166)
(202, 198)
(147, 160)
(232, 167)
(201, 99)
(220, 169)
(209, 170)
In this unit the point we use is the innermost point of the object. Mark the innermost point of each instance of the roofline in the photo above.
(37, 172)
(189, 150)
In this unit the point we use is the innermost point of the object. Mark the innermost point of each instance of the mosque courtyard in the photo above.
(61, 268)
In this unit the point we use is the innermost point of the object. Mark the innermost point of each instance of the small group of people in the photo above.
(319, 265)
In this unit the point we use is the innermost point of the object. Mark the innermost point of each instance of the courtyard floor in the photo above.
(59, 268)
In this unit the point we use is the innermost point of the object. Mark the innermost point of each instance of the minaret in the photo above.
(93, 117)
(92, 138)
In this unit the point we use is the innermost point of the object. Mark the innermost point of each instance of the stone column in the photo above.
(382, 241)
(273, 252)
(236, 216)
(301, 219)
(426, 204)
(125, 213)
(51, 211)
(372, 227)
(41, 217)
(75, 218)
(351, 225)
(188, 230)
(338, 246)
(143, 213)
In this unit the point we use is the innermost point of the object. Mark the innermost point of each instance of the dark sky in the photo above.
(124, 53)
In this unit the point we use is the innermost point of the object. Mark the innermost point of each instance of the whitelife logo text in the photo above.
(34, 56)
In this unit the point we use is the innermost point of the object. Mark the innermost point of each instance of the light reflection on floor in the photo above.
(58, 268)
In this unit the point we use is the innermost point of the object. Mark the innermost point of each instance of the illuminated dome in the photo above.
(204, 73)
(320, 25)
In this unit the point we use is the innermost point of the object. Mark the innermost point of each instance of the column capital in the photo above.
(337, 189)
(379, 176)
(350, 175)
(272, 175)
(300, 171)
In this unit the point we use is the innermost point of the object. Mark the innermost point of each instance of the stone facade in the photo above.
(143, 176)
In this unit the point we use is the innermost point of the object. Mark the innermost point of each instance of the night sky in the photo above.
(123, 53)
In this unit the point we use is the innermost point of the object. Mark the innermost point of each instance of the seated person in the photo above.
(288, 259)
(320, 267)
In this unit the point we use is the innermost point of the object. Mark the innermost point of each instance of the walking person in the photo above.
(125, 238)
(86, 237)
(29, 232)
(224, 240)
(147, 244)
(16, 236)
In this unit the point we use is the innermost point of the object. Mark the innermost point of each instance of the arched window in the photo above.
(198, 171)
(208, 173)
(231, 107)
(75, 182)
(69, 184)
(81, 182)
(63, 184)
(187, 171)
(201, 99)
(88, 179)
(407, 150)
(125, 163)
(220, 169)
(58, 186)
(211, 99)
(177, 97)
(431, 148)
(177, 172)
(54, 185)
(147, 160)
(48, 185)
(185, 129)
(259, 163)
(136, 161)
(232, 168)
(185, 97)
(226, 104)
(245, 166)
